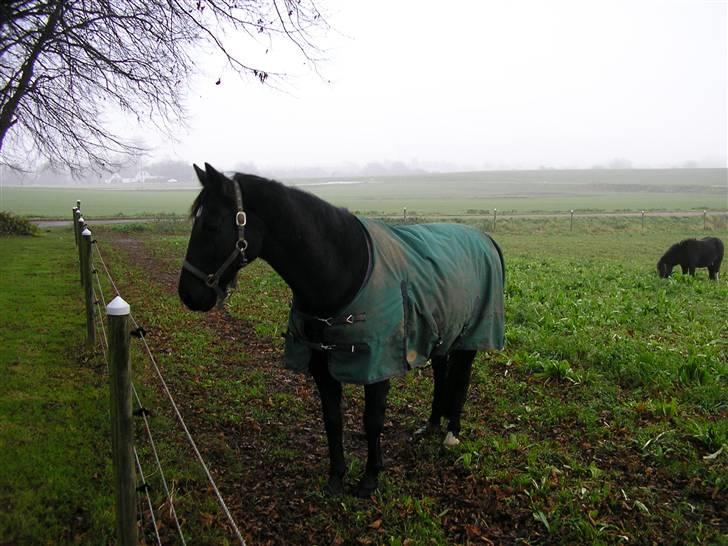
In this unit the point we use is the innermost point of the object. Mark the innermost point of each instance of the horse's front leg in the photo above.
(330, 394)
(375, 405)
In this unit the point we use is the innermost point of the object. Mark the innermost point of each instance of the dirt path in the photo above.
(282, 504)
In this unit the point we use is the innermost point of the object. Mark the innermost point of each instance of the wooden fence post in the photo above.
(404, 215)
(73, 224)
(705, 214)
(80, 225)
(122, 427)
(495, 214)
(643, 221)
(571, 221)
(88, 286)
(76, 231)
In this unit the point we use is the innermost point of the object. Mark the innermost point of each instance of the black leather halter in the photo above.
(212, 280)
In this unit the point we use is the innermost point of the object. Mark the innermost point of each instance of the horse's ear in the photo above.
(212, 172)
(215, 178)
(201, 175)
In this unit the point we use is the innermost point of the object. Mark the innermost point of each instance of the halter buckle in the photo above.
(211, 280)
(241, 218)
(242, 245)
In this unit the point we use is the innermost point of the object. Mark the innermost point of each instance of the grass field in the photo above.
(604, 420)
(54, 448)
(452, 193)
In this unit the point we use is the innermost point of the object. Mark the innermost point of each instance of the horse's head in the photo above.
(223, 241)
(664, 269)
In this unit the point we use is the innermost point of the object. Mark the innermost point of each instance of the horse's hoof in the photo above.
(334, 487)
(450, 440)
(366, 488)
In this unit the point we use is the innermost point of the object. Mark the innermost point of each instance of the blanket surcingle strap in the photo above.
(431, 289)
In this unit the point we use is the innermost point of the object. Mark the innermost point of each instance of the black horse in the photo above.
(692, 253)
(331, 259)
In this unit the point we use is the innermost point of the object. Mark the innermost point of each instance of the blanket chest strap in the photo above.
(343, 319)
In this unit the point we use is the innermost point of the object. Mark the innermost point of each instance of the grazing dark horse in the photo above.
(692, 253)
(370, 301)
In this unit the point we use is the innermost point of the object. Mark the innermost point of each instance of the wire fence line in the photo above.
(191, 440)
(143, 412)
(100, 299)
(149, 500)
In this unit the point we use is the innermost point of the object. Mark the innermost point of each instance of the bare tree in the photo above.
(64, 64)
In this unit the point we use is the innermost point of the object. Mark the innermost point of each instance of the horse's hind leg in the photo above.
(714, 270)
(439, 396)
(330, 393)
(458, 381)
(375, 405)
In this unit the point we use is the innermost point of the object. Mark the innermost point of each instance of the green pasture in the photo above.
(604, 420)
(55, 467)
(428, 194)
(95, 203)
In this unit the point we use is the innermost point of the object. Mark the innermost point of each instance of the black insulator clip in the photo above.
(139, 332)
(141, 412)
(143, 488)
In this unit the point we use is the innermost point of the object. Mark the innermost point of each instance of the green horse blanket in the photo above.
(431, 289)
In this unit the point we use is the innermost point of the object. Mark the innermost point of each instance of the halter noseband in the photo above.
(212, 280)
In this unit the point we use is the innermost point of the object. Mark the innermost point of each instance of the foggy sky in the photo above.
(478, 84)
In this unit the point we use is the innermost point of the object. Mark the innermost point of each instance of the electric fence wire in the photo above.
(191, 440)
(143, 413)
(159, 465)
(104, 352)
(181, 420)
(99, 300)
(149, 500)
(103, 263)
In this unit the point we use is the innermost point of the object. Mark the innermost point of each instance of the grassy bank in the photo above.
(54, 448)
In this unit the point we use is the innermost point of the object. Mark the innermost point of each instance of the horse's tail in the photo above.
(500, 256)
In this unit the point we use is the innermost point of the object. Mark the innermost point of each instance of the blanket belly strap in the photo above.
(328, 347)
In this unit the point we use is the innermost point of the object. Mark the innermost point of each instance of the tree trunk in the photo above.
(7, 113)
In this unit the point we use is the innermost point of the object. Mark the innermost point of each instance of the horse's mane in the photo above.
(299, 200)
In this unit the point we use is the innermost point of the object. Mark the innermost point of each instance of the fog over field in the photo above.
(421, 193)
(480, 86)
(409, 88)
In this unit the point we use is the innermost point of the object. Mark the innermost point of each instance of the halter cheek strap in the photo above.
(212, 280)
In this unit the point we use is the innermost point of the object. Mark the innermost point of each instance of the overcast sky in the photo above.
(480, 84)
